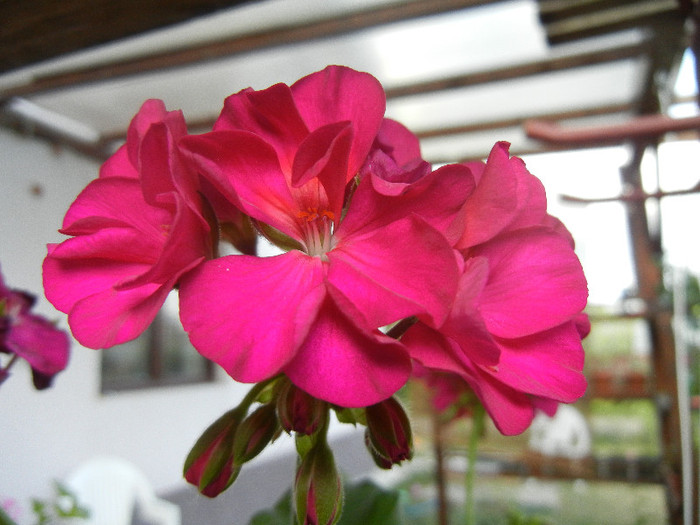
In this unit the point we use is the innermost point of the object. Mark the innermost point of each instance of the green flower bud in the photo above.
(299, 411)
(318, 490)
(255, 433)
(389, 431)
(209, 465)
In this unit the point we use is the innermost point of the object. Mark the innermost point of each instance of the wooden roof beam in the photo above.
(549, 65)
(263, 39)
(637, 14)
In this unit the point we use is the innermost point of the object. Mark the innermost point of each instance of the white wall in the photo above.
(43, 435)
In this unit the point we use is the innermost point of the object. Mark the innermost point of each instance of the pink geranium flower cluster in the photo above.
(463, 261)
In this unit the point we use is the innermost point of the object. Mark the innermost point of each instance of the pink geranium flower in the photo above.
(30, 337)
(134, 232)
(288, 157)
(514, 331)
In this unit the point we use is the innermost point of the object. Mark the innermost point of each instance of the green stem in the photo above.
(476, 431)
(254, 392)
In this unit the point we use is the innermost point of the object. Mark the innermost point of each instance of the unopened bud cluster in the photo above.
(242, 433)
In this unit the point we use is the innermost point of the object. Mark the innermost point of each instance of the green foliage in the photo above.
(365, 504)
(518, 518)
(63, 506)
(5, 519)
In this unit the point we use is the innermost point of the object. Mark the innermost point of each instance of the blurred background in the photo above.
(598, 96)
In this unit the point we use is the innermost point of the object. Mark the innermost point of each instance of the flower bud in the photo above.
(299, 411)
(378, 459)
(318, 490)
(389, 432)
(255, 433)
(209, 465)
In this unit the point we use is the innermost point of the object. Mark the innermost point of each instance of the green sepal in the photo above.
(352, 416)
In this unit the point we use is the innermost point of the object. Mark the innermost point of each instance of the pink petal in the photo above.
(338, 94)
(388, 178)
(270, 114)
(151, 111)
(67, 281)
(113, 201)
(187, 245)
(464, 325)
(324, 156)
(406, 268)
(345, 365)
(39, 342)
(432, 349)
(535, 283)
(507, 196)
(437, 197)
(397, 141)
(548, 406)
(251, 314)
(162, 170)
(119, 165)
(126, 245)
(547, 364)
(246, 171)
(511, 411)
(493, 204)
(110, 317)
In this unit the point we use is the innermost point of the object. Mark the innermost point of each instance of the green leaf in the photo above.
(280, 514)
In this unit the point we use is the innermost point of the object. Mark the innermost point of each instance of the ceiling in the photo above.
(460, 73)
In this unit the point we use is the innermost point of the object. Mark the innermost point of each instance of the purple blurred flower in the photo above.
(30, 337)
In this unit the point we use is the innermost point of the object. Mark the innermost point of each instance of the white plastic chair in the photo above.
(564, 435)
(112, 489)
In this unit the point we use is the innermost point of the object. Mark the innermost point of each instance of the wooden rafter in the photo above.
(38, 30)
(257, 40)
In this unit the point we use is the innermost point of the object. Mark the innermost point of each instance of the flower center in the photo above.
(317, 229)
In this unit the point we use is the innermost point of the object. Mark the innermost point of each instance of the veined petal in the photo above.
(68, 281)
(344, 364)
(493, 204)
(398, 142)
(465, 325)
(112, 317)
(250, 314)
(511, 411)
(118, 244)
(432, 349)
(162, 169)
(437, 197)
(113, 201)
(119, 165)
(323, 156)
(337, 94)
(505, 191)
(246, 171)
(406, 268)
(535, 283)
(181, 251)
(271, 114)
(151, 111)
(548, 364)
